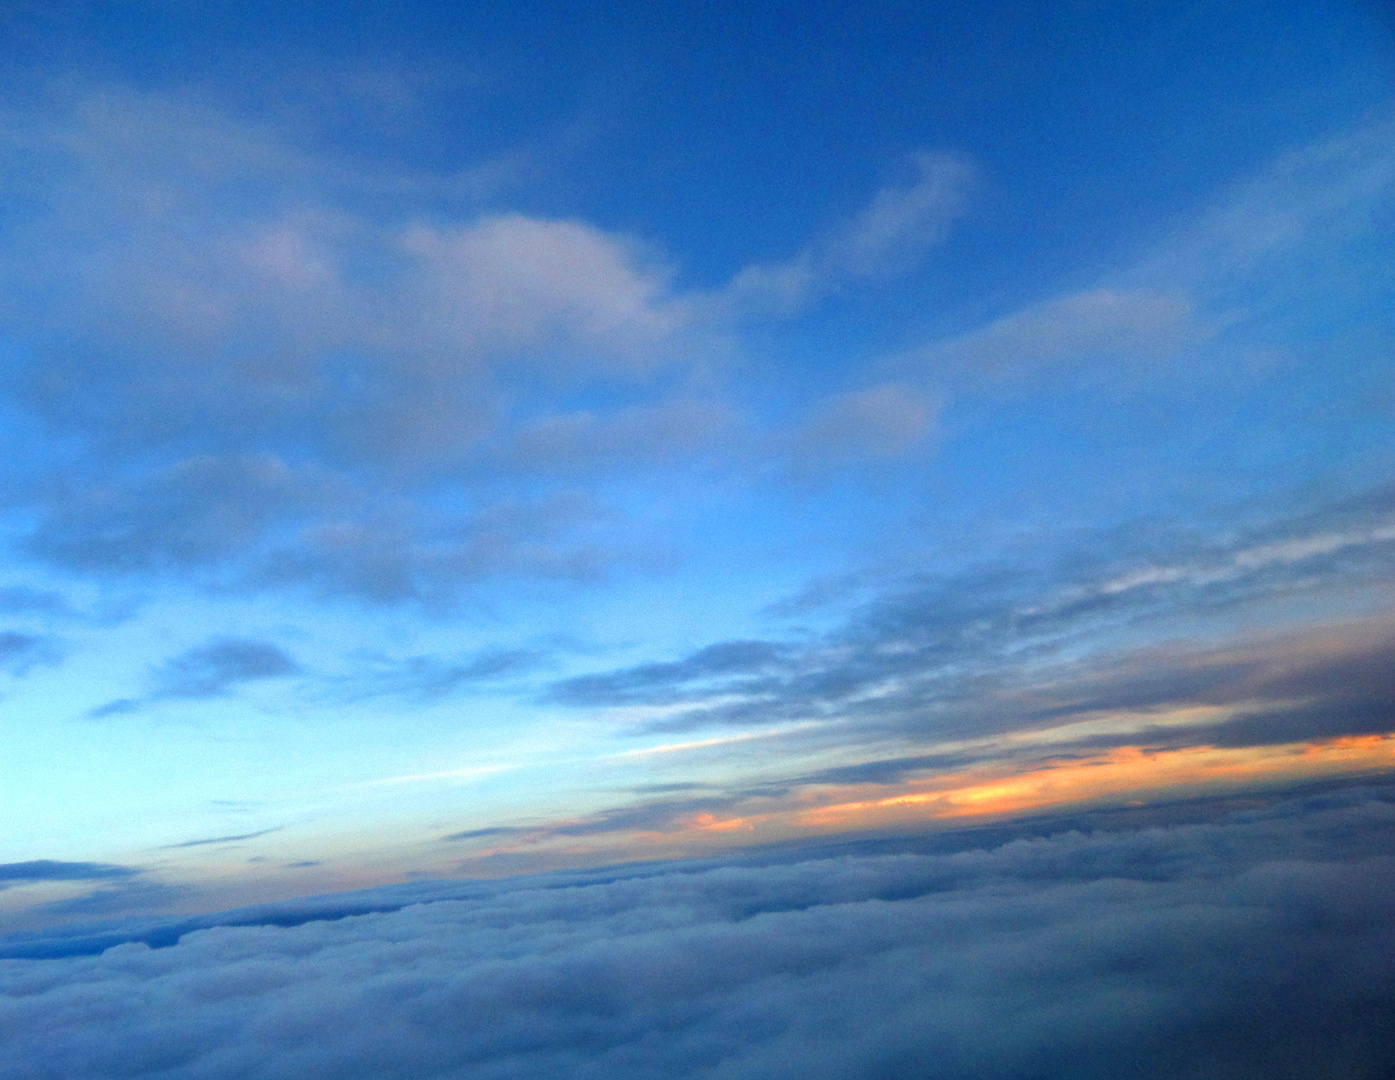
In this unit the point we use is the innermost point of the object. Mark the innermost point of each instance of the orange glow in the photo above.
(1127, 770)
(711, 824)
(1128, 775)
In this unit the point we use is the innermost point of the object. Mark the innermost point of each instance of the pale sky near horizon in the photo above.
(444, 442)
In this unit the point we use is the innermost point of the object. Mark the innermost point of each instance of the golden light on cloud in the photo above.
(1120, 772)
(1123, 775)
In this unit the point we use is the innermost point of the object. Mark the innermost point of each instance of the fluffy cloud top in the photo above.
(1258, 943)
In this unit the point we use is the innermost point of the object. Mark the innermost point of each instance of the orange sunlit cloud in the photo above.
(1130, 774)
(1124, 771)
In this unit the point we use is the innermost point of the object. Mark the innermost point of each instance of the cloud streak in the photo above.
(889, 235)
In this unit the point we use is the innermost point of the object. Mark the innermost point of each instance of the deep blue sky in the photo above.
(595, 432)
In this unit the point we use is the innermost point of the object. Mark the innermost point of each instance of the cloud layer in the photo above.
(1250, 943)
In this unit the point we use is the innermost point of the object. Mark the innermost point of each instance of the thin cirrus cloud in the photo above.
(890, 234)
(1068, 332)
(216, 840)
(426, 678)
(1234, 261)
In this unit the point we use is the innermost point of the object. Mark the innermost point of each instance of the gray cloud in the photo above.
(483, 834)
(21, 652)
(676, 681)
(1245, 943)
(118, 707)
(429, 678)
(125, 898)
(569, 443)
(947, 655)
(215, 668)
(191, 515)
(269, 375)
(221, 839)
(1069, 332)
(49, 870)
(266, 385)
(881, 422)
(17, 599)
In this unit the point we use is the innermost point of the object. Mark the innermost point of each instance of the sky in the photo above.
(448, 442)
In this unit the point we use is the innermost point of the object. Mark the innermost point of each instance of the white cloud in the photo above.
(566, 442)
(193, 238)
(1066, 333)
(1313, 196)
(1230, 565)
(517, 281)
(1254, 249)
(885, 421)
(901, 221)
(199, 295)
(888, 236)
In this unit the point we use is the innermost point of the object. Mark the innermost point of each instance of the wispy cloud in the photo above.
(19, 653)
(221, 839)
(1067, 333)
(889, 235)
(430, 678)
(207, 671)
(217, 667)
(50, 870)
(1014, 647)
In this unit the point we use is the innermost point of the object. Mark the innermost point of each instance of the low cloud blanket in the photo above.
(1258, 942)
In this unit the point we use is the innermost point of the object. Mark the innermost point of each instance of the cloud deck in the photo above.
(1258, 942)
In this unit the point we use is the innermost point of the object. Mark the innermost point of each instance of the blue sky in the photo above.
(449, 442)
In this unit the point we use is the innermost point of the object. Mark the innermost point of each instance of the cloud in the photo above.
(213, 669)
(125, 898)
(193, 514)
(881, 422)
(1067, 333)
(230, 281)
(221, 839)
(1250, 254)
(660, 683)
(1313, 197)
(888, 236)
(265, 372)
(566, 443)
(429, 678)
(516, 281)
(21, 599)
(49, 870)
(21, 652)
(413, 554)
(116, 707)
(1018, 642)
(1250, 943)
(255, 522)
